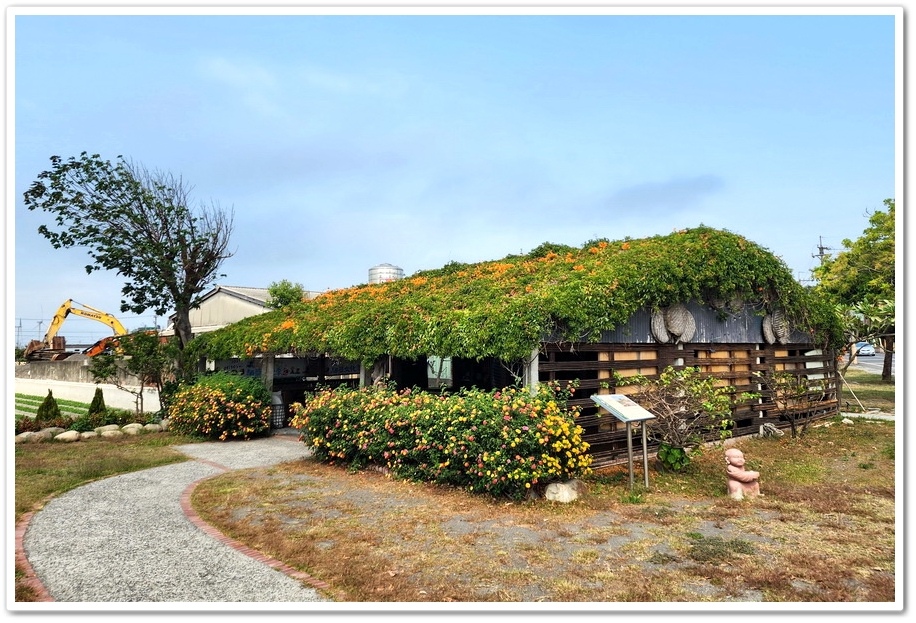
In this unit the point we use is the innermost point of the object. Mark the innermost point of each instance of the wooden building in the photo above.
(594, 315)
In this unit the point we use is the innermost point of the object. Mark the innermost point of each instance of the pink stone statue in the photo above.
(741, 482)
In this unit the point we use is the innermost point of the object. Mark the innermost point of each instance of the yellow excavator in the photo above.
(54, 348)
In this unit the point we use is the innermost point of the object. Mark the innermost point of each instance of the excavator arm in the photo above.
(65, 310)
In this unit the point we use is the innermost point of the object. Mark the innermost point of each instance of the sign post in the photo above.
(627, 411)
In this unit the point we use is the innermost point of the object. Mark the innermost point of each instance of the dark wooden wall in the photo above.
(593, 365)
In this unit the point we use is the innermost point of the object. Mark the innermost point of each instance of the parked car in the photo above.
(864, 349)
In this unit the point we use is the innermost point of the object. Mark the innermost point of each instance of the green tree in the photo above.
(143, 355)
(97, 406)
(860, 280)
(864, 271)
(139, 224)
(48, 410)
(283, 293)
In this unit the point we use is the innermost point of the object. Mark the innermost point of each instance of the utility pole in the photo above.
(820, 249)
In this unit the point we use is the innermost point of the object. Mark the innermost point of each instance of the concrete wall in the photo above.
(73, 370)
(83, 392)
(70, 380)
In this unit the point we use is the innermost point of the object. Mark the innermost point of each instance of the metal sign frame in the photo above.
(627, 411)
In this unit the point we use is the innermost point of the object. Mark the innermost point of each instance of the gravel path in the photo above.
(128, 539)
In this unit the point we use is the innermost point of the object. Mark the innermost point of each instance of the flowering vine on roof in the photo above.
(506, 308)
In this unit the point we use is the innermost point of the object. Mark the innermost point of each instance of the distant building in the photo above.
(224, 305)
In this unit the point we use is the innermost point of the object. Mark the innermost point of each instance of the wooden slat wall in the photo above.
(592, 366)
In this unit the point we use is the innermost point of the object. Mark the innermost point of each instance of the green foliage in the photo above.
(48, 410)
(221, 406)
(284, 293)
(674, 458)
(137, 224)
(97, 405)
(503, 443)
(142, 354)
(865, 270)
(687, 405)
(92, 420)
(506, 308)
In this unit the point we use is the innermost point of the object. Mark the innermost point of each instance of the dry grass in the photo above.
(824, 531)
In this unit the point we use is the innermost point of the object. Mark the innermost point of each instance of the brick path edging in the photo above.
(32, 581)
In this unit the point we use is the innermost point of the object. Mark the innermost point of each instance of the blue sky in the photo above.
(342, 142)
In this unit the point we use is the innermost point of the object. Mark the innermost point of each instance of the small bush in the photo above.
(91, 421)
(48, 410)
(97, 406)
(221, 406)
(503, 443)
(48, 416)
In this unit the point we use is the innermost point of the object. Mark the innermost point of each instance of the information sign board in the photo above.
(623, 407)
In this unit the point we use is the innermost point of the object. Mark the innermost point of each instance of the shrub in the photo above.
(97, 406)
(48, 410)
(48, 415)
(688, 405)
(221, 406)
(504, 442)
(91, 421)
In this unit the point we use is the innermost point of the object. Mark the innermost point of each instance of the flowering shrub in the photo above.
(221, 406)
(503, 442)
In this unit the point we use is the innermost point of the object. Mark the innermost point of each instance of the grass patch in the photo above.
(717, 549)
(44, 470)
(374, 538)
(870, 390)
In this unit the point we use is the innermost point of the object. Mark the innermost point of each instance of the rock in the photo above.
(26, 437)
(70, 435)
(846, 420)
(102, 429)
(164, 424)
(564, 492)
(42, 435)
(153, 428)
(770, 430)
(132, 430)
(111, 433)
(89, 434)
(132, 425)
(54, 430)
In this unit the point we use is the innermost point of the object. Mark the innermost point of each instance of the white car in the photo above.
(865, 349)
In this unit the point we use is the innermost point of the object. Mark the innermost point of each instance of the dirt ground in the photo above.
(827, 536)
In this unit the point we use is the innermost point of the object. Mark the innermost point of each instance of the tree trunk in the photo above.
(886, 374)
(183, 327)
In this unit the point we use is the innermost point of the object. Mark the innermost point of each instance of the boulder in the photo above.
(89, 434)
(164, 424)
(54, 430)
(564, 492)
(70, 435)
(153, 428)
(111, 433)
(26, 437)
(102, 429)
